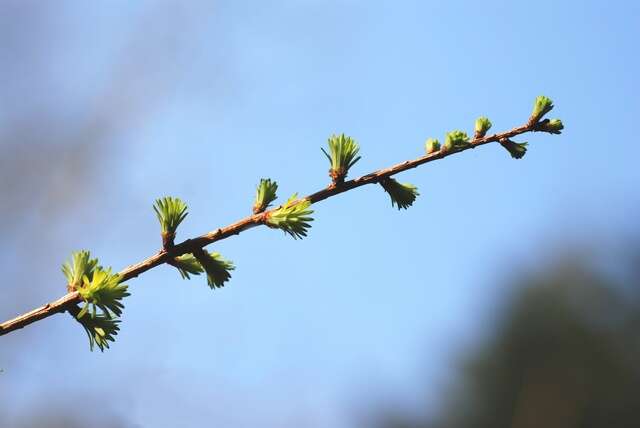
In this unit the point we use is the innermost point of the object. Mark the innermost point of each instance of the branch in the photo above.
(195, 245)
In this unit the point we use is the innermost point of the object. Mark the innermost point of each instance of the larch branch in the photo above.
(69, 301)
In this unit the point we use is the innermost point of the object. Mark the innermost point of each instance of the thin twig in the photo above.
(69, 301)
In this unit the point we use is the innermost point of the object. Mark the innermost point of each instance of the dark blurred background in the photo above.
(507, 296)
(561, 352)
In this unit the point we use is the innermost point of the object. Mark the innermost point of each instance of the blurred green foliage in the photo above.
(564, 353)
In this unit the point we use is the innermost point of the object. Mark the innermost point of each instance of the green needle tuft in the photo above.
(217, 268)
(102, 294)
(265, 195)
(402, 194)
(170, 212)
(343, 154)
(187, 264)
(293, 217)
(103, 291)
(517, 150)
(100, 329)
(80, 265)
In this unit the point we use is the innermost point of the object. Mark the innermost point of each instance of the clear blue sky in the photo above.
(375, 303)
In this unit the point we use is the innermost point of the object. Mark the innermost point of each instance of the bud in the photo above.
(432, 145)
(553, 126)
(542, 106)
(482, 126)
(455, 139)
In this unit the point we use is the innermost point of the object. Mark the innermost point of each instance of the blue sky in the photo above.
(375, 303)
